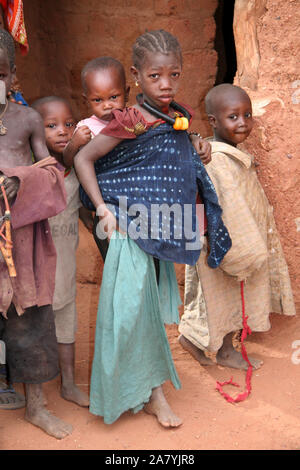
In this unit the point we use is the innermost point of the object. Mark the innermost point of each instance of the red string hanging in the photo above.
(246, 331)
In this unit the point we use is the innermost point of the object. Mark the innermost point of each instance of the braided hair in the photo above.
(7, 44)
(154, 41)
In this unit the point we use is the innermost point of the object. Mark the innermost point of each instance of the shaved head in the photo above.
(39, 103)
(223, 94)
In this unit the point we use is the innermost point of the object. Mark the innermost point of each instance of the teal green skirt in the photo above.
(132, 353)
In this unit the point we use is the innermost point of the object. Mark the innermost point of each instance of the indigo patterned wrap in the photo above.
(160, 169)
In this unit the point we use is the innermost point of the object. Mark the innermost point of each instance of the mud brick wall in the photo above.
(275, 140)
(64, 35)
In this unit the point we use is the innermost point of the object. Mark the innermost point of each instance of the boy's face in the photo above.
(232, 120)
(105, 91)
(59, 125)
(6, 72)
(159, 78)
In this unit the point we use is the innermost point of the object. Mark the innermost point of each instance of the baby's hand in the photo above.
(202, 147)
(81, 136)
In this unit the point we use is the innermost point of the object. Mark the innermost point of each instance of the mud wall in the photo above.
(270, 74)
(63, 36)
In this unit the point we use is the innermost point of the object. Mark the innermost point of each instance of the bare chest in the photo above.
(14, 142)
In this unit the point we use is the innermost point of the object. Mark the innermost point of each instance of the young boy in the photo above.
(35, 192)
(59, 126)
(212, 304)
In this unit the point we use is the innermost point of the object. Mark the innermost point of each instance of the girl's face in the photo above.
(232, 122)
(59, 125)
(159, 77)
(6, 73)
(105, 92)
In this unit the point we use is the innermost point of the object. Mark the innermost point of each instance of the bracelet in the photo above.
(195, 133)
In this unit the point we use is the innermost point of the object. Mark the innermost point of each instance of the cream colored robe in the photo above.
(212, 301)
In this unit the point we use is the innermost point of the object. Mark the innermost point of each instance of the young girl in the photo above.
(153, 165)
(105, 90)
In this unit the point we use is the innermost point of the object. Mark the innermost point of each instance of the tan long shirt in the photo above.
(212, 296)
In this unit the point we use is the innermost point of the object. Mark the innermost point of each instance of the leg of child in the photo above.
(228, 356)
(37, 414)
(197, 353)
(69, 390)
(159, 407)
(66, 326)
(158, 404)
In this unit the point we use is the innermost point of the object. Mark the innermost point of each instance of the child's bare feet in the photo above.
(74, 394)
(37, 414)
(49, 423)
(234, 359)
(69, 390)
(228, 356)
(195, 352)
(159, 407)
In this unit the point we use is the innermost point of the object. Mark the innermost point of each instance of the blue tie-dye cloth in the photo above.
(161, 171)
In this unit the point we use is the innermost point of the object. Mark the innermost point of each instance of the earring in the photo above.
(136, 83)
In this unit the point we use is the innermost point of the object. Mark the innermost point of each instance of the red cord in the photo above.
(246, 331)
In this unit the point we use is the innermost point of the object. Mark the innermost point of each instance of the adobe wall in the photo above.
(63, 36)
(275, 93)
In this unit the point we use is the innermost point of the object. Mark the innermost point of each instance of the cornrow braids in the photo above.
(154, 41)
(7, 44)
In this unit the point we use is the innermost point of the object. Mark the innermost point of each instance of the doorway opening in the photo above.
(224, 42)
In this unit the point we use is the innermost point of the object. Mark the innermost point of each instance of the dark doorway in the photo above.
(224, 42)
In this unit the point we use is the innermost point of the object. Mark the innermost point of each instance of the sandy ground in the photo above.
(268, 419)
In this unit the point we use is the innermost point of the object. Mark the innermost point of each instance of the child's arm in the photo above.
(84, 165)
(86, 216)
(202, 147)
(37, 137)
(81, 136)
(38, 146)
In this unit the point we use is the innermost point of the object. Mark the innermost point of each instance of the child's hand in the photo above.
(81, 136)
(107, 221)
(202, 147)
(11, 186)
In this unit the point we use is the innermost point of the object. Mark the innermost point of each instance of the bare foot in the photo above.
(49, 423)
(234, 359)
(159, 407)
(75, 395)
(194, 351)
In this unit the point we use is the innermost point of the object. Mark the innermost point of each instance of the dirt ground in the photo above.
(268, 419)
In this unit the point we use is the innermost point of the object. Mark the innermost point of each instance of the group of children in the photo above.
(144, 155)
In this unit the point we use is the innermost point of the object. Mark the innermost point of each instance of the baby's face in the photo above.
(233, 119)
(59, 125)
(105, 91)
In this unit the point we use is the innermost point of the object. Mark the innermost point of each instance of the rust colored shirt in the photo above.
(41, 195)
